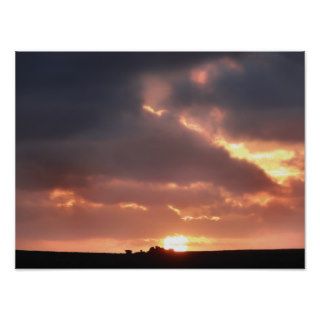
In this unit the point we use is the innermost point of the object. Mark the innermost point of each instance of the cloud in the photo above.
(65, 94)
(153, 111)
(263, 95)
(162, 152)
(41, 217)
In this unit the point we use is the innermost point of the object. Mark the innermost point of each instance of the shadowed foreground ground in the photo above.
(289, 258)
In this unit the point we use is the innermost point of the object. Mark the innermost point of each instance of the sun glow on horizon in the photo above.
(177, 243)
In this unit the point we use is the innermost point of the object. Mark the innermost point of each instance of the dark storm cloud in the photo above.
(79, 114)
(59, 95)
(270, 80)
(268, 100)
(265, 99)
(159, 152)
(62, 94)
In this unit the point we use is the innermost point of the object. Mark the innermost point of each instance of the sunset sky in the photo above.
(120, 151)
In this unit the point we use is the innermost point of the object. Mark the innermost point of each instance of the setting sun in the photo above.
(177, 243)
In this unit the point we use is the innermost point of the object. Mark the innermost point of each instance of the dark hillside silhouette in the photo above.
(158, 257)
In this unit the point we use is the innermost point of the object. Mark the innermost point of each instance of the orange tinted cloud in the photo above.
(190, 218)
(274, 161)
(199, 76)
(154, 111)
(132, 205)
(191, 125)
(175, 210)
(68, 199)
